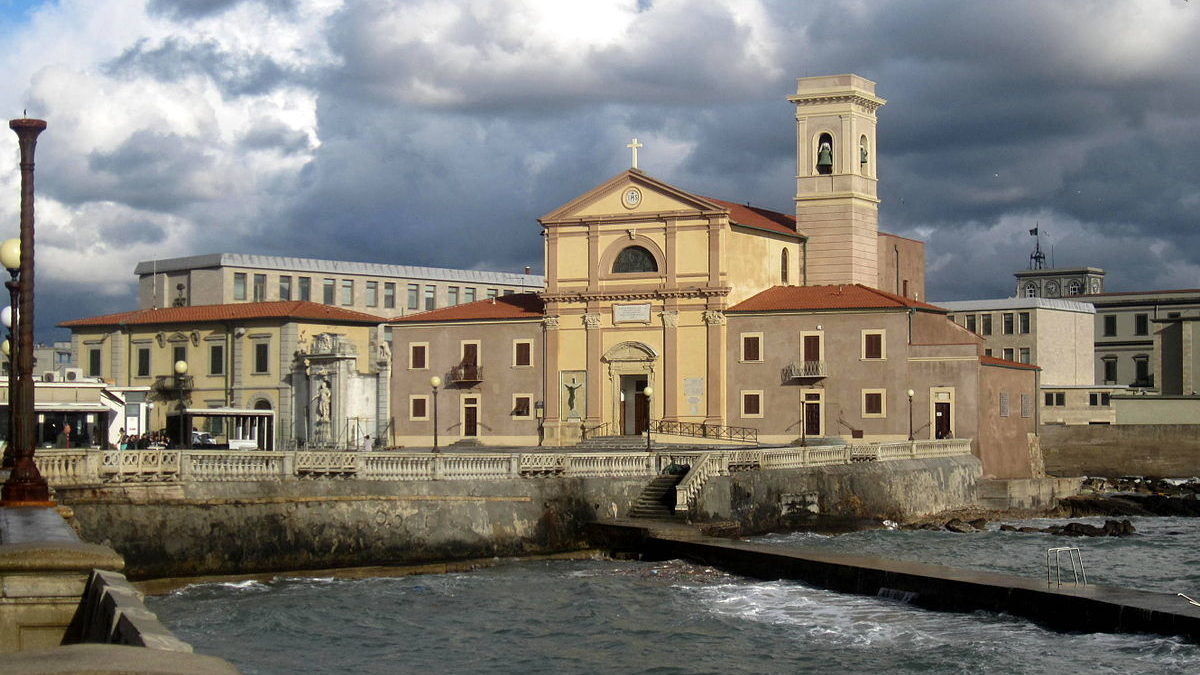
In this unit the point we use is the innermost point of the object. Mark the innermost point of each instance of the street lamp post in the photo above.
(181, 368)
(8, 318)
(803, 421)
(435, 382)
(25, 485)
(910, 426)
(648, 391)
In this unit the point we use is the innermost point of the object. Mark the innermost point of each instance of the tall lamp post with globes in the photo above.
(435, 382)
(910, 393)
(648, 391)
(181, 368)
(10, 253)
(25, 485)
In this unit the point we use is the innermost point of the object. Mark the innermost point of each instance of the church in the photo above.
(679, 311)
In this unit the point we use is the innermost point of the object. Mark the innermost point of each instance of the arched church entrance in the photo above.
(630, 370)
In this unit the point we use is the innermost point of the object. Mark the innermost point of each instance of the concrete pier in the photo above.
(1083, 608)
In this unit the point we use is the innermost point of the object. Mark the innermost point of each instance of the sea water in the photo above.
(673, 617)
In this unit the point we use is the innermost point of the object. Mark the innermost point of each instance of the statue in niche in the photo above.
(572, 391)
(323, 398)
(385, 353)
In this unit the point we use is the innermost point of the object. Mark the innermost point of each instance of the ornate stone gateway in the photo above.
(339, 406)
(630, 369)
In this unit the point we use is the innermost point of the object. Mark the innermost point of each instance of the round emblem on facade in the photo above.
(631, 197)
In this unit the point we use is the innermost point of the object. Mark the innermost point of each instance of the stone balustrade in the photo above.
(82, 467)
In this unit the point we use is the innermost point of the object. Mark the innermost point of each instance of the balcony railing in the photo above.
(466, 373)
(804, 370)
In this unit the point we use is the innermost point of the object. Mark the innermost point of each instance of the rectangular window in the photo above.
(1004, 404)
(522, 353)
(1110, 370)
(987, 352)
(285, 287)
(260, 287)
(971, 322)
(752, 347)
(752, 404)
(418, 407)
(389, 295)
(1023, 355)
(93, 362)
(239, 286)
(1006, 320)
(1023, 323)
(1110, 325)
(522, 406)
(985, 321)
(872, 345)
(1026, 405)
(216, 359)
(469, 294)
(452, 295)
(347, 292)
(261, 357)
(508, 291)
(1008, 353)
(430, 297)
(1141, 324)
(143, 362)
(1056, 398)
(372, 293)
(328, 289)
(1141, 371)
(417, 352)
(1098, 399)
(873, 403)
(414, 296)
(178, 353)
(305, 289)
(491, 293)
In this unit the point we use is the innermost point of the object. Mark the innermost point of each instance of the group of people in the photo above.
(154, 439)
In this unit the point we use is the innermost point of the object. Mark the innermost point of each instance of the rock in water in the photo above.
(956, 525)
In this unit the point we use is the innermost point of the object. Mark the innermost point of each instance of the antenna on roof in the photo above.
(1037, 259)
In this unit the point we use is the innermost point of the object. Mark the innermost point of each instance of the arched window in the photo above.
(864, 156)
(825, 154)
(1075, 287)
(634, 259)
(783, 267)
(262, 404)
(1030, 290)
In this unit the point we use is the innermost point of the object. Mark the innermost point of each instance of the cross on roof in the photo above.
(634, 146)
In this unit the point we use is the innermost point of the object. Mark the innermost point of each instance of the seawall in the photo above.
(1160, 450)
(212, 528)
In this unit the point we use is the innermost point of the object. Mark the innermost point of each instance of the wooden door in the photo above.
(812, 418)
(641, 413)
(941, 420)
(812, 348)
(470, 417)
(470, 354)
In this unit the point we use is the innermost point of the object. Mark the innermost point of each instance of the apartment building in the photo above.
(375, 288)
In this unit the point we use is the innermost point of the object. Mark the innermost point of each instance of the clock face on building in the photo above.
(631, 197)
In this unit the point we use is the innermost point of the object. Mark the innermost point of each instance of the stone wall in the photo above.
(765, 500)
(241, 527)
(1159, 450)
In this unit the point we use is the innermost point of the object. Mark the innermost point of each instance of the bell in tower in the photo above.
(825, 155)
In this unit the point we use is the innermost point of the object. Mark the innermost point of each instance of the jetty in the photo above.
(1065, 606)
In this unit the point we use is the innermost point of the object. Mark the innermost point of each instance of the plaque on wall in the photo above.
(639, 313)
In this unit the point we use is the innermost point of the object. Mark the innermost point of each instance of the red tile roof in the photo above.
(752, 216)
(515, 306)
(847, 296)
(993, 361)
(287, 309)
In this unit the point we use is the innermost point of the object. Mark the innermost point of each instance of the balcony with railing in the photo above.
(466, 373)
(804, 370)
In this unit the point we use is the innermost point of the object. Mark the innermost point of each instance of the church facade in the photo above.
(662, 304)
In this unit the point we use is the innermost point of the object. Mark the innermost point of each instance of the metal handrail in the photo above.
(705, 430)
(1074, 556)
(587, 432)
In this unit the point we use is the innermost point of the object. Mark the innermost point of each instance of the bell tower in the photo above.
(836, 203)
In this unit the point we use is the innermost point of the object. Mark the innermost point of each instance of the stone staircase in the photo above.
(657, 500)
(622, 443)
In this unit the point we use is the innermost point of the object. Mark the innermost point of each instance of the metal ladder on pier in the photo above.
(1073, 556)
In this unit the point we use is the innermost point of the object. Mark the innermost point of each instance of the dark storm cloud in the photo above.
(130, 232)
(150, 170)
(183, 10)
(175, 59)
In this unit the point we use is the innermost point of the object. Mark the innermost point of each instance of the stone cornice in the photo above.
(869, 105)
(634, 294)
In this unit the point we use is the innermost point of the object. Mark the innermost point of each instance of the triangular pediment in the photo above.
(611, 200)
